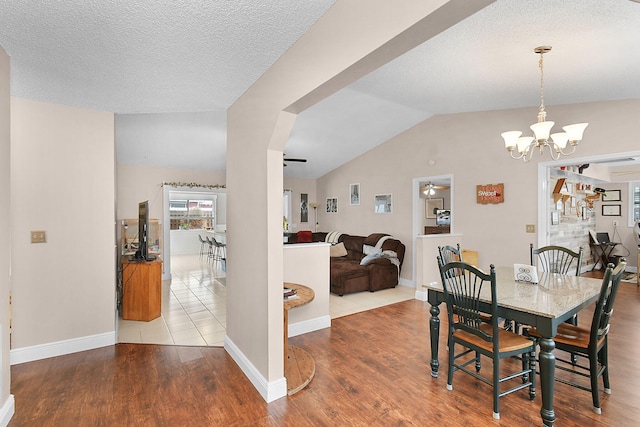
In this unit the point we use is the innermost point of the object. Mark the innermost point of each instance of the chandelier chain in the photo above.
(542, 115)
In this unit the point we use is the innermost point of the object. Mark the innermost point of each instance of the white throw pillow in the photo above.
(373, 255)
(338, 250)
(368, 249)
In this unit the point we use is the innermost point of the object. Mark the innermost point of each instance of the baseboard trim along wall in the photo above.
(7, 411)
(269, 391)
(59, 348)
(310, 325)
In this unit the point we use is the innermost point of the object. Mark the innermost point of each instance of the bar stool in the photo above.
(203, 245)
(210, 254)
(220, 250)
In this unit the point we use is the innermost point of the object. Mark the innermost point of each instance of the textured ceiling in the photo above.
(183, 63)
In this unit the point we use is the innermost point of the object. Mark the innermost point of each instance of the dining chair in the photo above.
(463, 290)
(593, 342)
(450, 253)
(556, 259)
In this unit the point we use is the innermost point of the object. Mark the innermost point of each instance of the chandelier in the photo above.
(522, 147)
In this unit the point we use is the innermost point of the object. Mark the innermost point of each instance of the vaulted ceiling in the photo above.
(171, 68)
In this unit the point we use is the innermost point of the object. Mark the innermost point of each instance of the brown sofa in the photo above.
(347, 275)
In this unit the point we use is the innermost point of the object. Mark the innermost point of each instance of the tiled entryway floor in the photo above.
(194, 306)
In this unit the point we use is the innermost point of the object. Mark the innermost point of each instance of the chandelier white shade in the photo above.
(522, 147)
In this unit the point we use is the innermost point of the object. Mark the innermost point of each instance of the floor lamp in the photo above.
(315, 205)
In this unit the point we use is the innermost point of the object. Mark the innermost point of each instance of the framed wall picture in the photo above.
(382, 203)
(611, 210)
(332, 205)
(611, 196)
(354, 194)
(304, 207)
(430, 207)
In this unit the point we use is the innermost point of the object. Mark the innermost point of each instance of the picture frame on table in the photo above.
(611, 196)
(383, 203)
(430, 207)
(611, 210)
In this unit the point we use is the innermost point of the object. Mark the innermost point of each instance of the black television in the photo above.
(142, 254)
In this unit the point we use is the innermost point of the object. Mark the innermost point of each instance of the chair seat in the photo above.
(508, 341)
(570, 335)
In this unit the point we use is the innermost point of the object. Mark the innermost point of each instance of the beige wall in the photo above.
(468, 146)
(6, 400)
(63, 182)
(137, 183)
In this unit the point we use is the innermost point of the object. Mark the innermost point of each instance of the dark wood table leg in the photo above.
(547, 375)
(434, 328)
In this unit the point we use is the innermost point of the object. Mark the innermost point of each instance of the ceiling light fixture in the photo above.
(523, 146)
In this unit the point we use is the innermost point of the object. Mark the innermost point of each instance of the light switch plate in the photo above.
(38, 236)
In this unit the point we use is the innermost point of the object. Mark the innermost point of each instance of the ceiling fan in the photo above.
(287, 159)
(430, 188)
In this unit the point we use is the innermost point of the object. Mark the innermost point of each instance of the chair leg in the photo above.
(604, 361)
(496, 388)
(532, 375)
(452, 356)
(593, 373)
(478, 366)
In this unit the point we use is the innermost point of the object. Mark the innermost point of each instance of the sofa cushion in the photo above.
(338, 250)
(372, 239)
(353, 244)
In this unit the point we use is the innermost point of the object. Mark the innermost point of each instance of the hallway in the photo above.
(194, 306)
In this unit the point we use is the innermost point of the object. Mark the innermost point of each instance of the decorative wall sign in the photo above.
(490, 193)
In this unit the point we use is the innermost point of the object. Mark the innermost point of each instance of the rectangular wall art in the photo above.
(332, 205)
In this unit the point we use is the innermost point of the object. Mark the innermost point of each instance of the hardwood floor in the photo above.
(372, 368)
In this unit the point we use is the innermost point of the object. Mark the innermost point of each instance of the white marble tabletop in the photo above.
(554, 295)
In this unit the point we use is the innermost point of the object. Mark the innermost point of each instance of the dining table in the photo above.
(544, 305)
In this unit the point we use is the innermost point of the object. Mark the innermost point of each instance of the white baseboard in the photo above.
(269, 391)
(310, 325)
(421, 294)
(59, 348)
(7, 411)
(407, 282)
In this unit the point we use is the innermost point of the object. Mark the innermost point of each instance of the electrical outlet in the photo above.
(531, 228)
(615, 223)
(38, 236)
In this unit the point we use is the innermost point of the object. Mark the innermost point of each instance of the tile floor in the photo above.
(194, 306)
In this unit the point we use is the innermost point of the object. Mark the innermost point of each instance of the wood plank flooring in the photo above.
(372, 369)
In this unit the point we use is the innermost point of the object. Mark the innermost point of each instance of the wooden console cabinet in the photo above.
(141, 290)
(440, 229)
